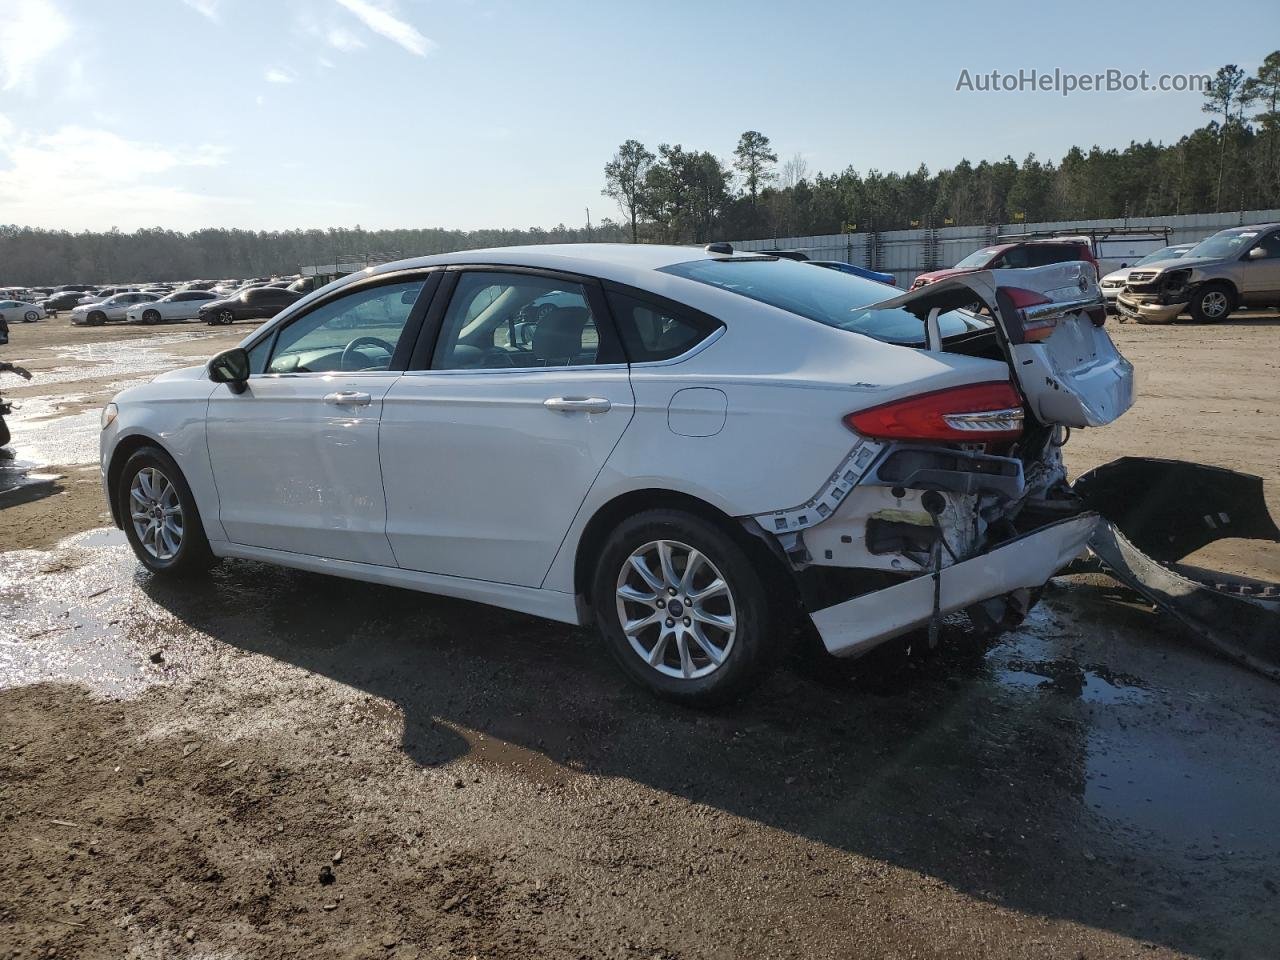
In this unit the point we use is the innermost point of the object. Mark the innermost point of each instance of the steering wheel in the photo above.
(349, 351)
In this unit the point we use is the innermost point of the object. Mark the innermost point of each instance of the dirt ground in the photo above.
(266, 763)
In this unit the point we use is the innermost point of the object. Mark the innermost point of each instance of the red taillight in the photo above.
(1033, 329)
(980, 413)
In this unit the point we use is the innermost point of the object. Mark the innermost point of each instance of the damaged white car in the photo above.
(686, 447)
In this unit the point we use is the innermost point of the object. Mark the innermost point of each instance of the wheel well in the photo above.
(119, 457)
(618, 509)
(1220, 283)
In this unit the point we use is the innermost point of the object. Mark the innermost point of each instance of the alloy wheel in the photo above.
(156, 513)
(1214, 304)
(676, 609)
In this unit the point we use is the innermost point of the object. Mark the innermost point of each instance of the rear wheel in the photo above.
(1212, 304)
(683, 608)
(160, 516)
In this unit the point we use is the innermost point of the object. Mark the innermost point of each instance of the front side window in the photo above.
(359, 331)
(1270, 244)
(501, 321)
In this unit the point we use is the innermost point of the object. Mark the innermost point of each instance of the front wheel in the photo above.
(1212, 304)
(150, 316)
(31, 316)
(160, 516)
(226, 318)
(683, 608)
(96, 319)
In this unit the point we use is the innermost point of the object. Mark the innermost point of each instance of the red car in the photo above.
(1023, 253)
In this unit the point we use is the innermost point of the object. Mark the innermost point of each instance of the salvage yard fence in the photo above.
(906, 253)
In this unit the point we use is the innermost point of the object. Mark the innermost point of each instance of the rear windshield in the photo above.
(828, 296)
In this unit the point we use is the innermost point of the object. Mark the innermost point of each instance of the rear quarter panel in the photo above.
(788, 382)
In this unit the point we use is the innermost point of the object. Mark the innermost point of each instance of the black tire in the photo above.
(4, 432)
(193, 554)
(226, 317)
(1212, 303)
(748, 653)
(151, 317)
(30, 316)
(96, 319)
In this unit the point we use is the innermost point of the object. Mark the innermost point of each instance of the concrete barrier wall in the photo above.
(905, 253)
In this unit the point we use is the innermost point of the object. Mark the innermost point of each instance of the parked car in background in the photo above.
(1114, 282)
(75, 288)
(1015, 256)
(104, 292)
(23, 310)
(1238, 267)
(817, 446)
(854, 270)
(183, 305)
(112, 308)
(255, 303)
(66, 300)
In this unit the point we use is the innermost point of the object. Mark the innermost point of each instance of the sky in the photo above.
(280, 114)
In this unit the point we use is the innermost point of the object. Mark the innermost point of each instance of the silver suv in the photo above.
(1239, 267)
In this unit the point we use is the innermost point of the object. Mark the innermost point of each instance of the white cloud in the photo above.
(380, 18)
(90, 178)
(30, 30)
(276, 75)
(209, 9)
(340, 38)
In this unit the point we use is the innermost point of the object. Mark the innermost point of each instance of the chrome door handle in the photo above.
(348, 398)
(577, 404)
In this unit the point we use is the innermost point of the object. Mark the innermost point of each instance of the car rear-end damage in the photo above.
(957, 499)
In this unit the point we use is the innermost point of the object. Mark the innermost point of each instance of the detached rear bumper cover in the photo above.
(1160, 511)
(855, 626)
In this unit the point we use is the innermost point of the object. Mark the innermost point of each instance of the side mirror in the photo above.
(1257, 253)
(232, 368)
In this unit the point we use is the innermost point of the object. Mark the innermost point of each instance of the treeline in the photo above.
(32, 256)
(679, 195)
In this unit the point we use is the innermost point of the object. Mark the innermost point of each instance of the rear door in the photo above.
(1050, 320)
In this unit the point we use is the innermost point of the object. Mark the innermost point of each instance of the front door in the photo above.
(1260, 276)
(295, 456)
(489, 450)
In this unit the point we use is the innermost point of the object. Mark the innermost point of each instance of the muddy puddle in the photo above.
(126, 359)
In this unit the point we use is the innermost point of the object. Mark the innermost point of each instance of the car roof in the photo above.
(610, 260)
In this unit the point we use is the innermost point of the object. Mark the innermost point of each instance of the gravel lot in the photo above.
(273, 764)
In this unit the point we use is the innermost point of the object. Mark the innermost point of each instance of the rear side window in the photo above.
(653, 330)
(828, 296)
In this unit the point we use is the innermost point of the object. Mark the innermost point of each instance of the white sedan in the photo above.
(14, 310)
(689, 448)
(112, 308)
(182, 305)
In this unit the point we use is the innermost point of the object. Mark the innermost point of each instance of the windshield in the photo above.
(977, 259)
(1223, 245)
(828, 296)
(1166, 253)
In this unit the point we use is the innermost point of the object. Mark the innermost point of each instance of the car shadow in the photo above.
(927, 763)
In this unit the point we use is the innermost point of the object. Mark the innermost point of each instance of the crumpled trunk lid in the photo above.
(1074, 376)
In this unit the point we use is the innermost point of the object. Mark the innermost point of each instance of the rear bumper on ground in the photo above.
(855, 626)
